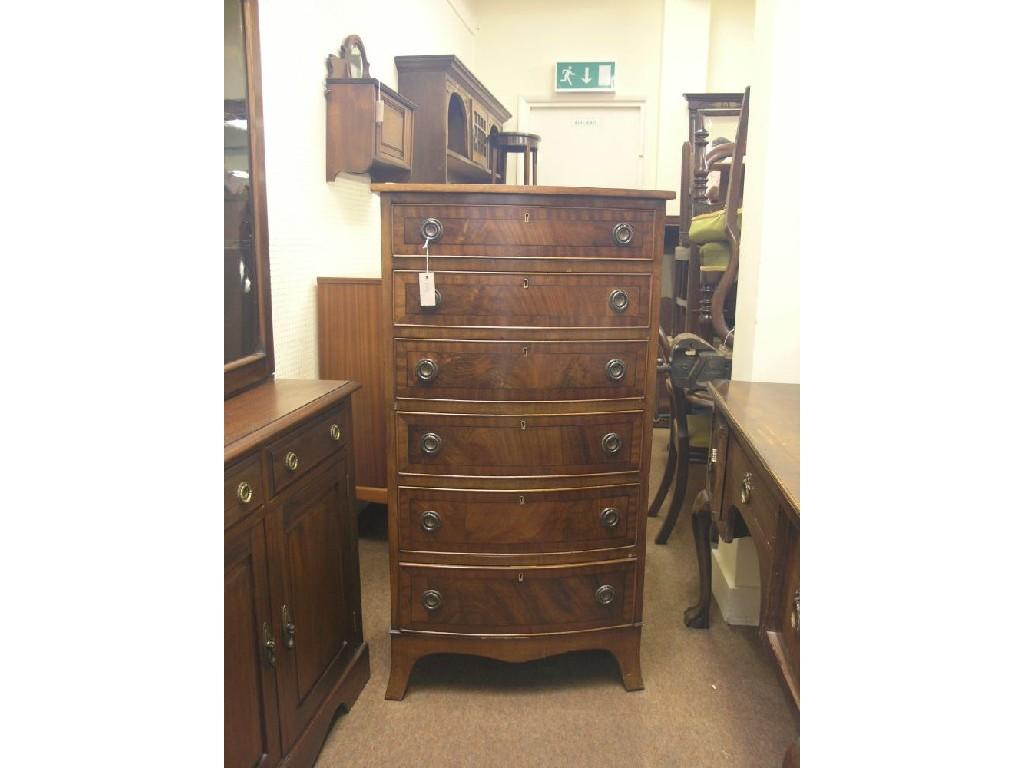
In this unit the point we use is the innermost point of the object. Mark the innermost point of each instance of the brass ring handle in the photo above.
(437, 301)
(615, 369)
(618, 300)
(430, 443)
(291, 460)
(622, 233)
(611, 443)
(431, 599)
(609, 517)
(605, 594)
(746, 487)
(430, 521)
(426, 370)
(431, 229)
(244, 492)
(335, 432)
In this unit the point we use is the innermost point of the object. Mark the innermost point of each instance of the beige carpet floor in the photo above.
(712, 697)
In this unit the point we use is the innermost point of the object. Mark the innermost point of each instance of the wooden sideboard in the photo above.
(753, 489)
(520, 419)
(293, 637)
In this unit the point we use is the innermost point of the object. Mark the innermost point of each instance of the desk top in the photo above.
(767, 416)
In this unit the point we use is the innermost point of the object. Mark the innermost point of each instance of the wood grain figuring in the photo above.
(519, 370)
(524, 299)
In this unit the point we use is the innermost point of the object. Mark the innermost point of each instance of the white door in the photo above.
(588, 145)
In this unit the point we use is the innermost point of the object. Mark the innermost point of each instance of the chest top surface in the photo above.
(519, 189)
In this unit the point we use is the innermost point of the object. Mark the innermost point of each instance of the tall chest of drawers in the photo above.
(520, 415)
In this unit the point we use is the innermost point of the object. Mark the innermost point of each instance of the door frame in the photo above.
(528, 103)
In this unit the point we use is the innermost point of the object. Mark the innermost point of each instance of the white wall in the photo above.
(318, 228)
(730, 45)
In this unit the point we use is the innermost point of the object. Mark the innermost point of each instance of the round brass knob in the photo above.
(430, 521)
(609, 517)
(622, 233)
(431, 229)
(244, 492)
(431, 599)
(335, 432)
(430, 443)
(426, 370)
(611, 443)
(605, 594)
(618, 300)
(291, 460)
(746, 488)
(615, 369)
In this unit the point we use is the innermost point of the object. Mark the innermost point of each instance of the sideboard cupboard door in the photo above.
(313, 535)
(250, 707)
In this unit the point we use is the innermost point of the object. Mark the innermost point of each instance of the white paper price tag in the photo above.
(427, 289)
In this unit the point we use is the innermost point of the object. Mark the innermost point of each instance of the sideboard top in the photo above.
(518, 189)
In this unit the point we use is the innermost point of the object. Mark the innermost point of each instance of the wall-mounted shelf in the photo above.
(358, 144)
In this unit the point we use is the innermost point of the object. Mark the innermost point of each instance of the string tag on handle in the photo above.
(427, 296)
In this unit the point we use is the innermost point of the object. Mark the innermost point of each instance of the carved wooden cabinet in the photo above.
(356, 143)
(293, 639)
(455, 119)
(520, 414)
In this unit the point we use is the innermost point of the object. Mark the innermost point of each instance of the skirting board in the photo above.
(739, 604)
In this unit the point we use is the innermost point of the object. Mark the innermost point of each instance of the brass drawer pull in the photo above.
(431, 600)
(618, 300)
(335, 432)
(431, 229)
(431, 443)
(746, 487)
(611, 443)
(794, 616)
(605, 594)
(291, 460)
(269, 645)
(609, 517)
(426, 370)
(437, 301)
(244, 492)
(622, 233)
(615, 369)
(288, 628)
(430, 521)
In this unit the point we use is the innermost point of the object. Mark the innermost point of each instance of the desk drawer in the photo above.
(747, 490)
(507, 600)
(243, 489)
(520, 370)
(514, 230)
(457, 444)
(302, 449)
(525, 299)
(517, 522)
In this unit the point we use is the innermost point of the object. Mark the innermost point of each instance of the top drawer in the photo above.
(517, 231)
(302, 449)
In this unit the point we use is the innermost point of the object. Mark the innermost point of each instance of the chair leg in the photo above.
(697, 616)
(679, 495)
(666, 480)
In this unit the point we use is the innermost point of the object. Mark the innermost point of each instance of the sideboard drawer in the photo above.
(747, 490)
(457, 444)
(512, 230)
(243, 489)
(516, 600)
(512, 522)
(520, 370)
(299, 451)
(525, 299)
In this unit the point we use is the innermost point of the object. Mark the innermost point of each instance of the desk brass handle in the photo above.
(605, 594)
(244, 492)
(291, 460)
(430, 443)
(615, 369)
(335, 432)
(431, 600)
(431, 229)
(746, 488)
(611, 443)
(426, 369)
(618, 300)
(430, 521)
(622, 233)
(609, 517)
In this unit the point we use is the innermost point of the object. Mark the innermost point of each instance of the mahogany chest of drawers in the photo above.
(520, 414)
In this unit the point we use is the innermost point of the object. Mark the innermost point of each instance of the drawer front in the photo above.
(514, 522)
(302, 449)
(717, 458)
(749, 491)
(516, 600)
(393, 140)
(243, 489)
(525, 370)
(790, 618)
(446, 444)
(513, 230)
(526, 299)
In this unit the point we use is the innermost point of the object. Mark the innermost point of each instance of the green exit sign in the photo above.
(585, 76)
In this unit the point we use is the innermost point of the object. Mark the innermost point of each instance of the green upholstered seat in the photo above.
(714, 256)
(699, 427)
(709, 227)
